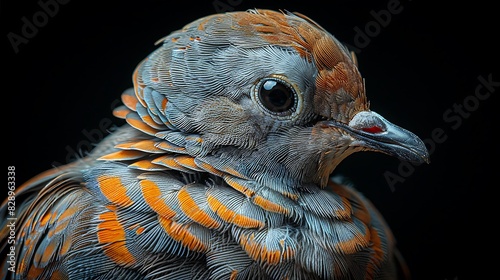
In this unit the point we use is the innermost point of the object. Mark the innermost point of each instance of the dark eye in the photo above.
(276, 96)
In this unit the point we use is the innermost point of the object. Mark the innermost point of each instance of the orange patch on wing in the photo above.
(237, 186)
(48, 252)
(61, 220)
(231, 216)
(377, 256)
(164, 145)
(164, 104)
(180, 233)
(234, 275)
(134, 226)
(377, 245)
(191, 209)
(121, 112)
(46, 217)
(113, 189)
(66, 245)
(146, 164)
(188, 162)
(247, 222)
(139, 230)
(196, 139)
(260, 252)
(68, 213)
(143, 145)
(142, 126)
(207, 167)
(169, 162)
(339, 189)
(149, 121)
(28, 222)
(362, 214)
(111, 234)
(153, 197)
(139, 84)
(61, 225)
(57, 275)
(269, 205)
(27, 241)
(130, 101)
(34, 272)
(233, 172)
(355, 244)
(346, 212)
(24, 263)
(122, 155)
(348, 196)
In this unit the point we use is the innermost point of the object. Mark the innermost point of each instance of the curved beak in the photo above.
(375, 133)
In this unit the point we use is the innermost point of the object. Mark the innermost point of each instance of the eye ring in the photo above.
(277, 97)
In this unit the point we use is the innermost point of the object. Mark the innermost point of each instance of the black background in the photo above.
(60, 86)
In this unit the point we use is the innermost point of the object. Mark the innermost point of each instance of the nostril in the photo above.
(373, 129)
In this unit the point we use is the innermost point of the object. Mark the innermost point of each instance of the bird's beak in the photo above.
(372, 132)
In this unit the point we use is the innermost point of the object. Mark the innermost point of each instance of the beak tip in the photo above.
(425, 159)
(421, 150)
(417, 151)
(412, 156)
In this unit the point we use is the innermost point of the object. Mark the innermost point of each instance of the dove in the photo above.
(223, 167)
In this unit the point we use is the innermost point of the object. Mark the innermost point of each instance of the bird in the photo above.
(223, 167)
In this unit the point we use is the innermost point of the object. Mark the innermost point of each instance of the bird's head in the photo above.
(264, 94)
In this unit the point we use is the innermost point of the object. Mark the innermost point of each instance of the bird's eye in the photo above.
(277, 96)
